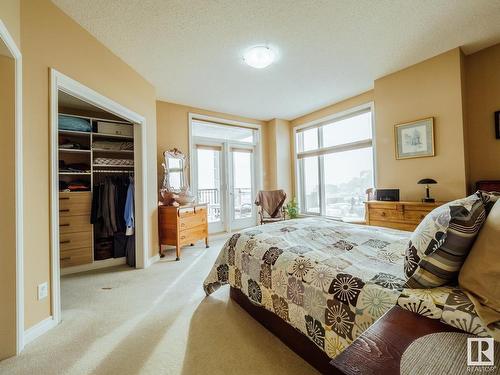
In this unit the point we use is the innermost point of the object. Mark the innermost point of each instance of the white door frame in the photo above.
(257, 157)
(59, 81)
(16, 55)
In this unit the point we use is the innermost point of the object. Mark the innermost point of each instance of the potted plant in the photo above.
(292, 209)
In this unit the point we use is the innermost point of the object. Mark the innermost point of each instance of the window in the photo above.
(335, 165)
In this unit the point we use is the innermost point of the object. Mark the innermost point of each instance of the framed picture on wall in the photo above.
(415, 139)
(497, 124)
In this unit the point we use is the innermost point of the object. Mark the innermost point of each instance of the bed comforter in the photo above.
(332, 280)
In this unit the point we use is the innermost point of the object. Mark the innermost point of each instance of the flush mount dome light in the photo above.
(259, 57)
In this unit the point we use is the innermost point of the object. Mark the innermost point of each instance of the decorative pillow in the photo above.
(489, 198)
(439, 245)
(480, 274)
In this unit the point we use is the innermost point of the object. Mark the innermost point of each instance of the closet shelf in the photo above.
(113, 151)
(75, 173)
(74, 132)
(104, 135)
(111, 166)
(74, 150)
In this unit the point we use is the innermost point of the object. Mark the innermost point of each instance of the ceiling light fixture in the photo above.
(259, 57)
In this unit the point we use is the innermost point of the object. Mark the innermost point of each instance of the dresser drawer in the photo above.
(192, 219)
(414, 215)
(74, 203)
(75, 257)
(74, 224)
(69, 241)
(192, 235)
(385, 214)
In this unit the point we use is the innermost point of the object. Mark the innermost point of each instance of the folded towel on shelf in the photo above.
(114, 162)
(74, 124)
(73, 167)
(113, 146)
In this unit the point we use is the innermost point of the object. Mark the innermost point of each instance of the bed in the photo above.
(331, 280)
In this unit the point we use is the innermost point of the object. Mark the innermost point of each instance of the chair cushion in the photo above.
(480, 274)
(440, 244)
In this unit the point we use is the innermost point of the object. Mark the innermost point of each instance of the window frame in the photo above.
(321, 151)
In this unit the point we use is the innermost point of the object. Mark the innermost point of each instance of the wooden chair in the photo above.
(271, 206)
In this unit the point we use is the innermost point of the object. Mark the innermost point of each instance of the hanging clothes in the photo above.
(129, 209)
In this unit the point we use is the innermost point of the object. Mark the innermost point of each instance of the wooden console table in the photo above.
(180, 226)
(397, 215)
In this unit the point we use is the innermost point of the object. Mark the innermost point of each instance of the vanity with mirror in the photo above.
(181, 221)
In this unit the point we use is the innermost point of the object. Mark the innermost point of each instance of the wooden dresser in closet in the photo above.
(398, 215)
(75, 230)
(181, 226)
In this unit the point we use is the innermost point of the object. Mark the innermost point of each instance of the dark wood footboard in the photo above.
(377, 351)
(291, 337)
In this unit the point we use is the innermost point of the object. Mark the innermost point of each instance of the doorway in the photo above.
(225, 176)
(11, 265)
(66, 91)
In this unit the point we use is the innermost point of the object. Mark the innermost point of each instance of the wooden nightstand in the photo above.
(379, 349)
(397, 215)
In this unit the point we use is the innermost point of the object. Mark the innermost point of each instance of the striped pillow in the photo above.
(439, 245)
(489, 199)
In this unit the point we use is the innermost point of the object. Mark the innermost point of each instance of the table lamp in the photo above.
(427, 182)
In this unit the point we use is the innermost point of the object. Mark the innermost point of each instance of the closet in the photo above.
(96, 187)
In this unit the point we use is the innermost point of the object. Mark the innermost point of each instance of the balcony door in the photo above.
(224, 174)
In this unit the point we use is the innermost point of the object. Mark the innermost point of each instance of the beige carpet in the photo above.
(154, 321)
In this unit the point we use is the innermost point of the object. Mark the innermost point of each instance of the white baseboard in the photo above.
(153, 259)
(39, 329)
(94, 266)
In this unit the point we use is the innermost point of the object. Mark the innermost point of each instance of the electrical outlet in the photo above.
(43, 290)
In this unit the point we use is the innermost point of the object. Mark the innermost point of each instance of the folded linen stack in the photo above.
(113, 146)
(114, 162)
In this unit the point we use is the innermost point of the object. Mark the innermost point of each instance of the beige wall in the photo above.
(430, 88)
(279, 162)
(10, 14)
(7, 203)
(482, 71)
(173, 128)
(52, 39)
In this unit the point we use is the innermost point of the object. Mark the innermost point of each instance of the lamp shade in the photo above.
(427, 181)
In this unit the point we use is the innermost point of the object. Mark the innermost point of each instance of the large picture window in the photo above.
(335, 166)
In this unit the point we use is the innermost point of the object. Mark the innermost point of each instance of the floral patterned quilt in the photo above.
(331, 280)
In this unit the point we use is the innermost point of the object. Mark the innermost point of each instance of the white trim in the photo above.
(94, 266)
(59, 81)
(16, 55)
(369, 106)
(39, 329)
(153, 259)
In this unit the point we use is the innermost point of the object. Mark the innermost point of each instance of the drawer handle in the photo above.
(64, 210)
(383, 213)
(183, 224)
(64, 198)
(183, 237)
(64, 225)
(65, 241)
(66, 258)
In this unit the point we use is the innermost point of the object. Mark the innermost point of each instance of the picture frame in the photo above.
(497, 124)
(415, 139)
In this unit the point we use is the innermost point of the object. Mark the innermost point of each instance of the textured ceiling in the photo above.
(329, 50)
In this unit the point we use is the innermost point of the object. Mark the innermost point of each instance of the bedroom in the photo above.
(178, 72)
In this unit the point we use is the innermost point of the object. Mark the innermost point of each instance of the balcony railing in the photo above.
(242, 202)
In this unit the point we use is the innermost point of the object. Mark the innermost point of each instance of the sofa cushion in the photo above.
(440, 244)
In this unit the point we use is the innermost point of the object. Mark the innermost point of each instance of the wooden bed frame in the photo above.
(377, 351)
